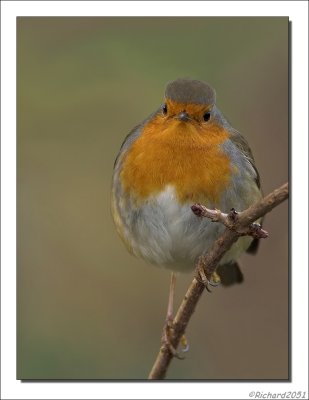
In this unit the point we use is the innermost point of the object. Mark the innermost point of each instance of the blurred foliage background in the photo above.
(86, 308)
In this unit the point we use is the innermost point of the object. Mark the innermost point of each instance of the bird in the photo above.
(183, 153)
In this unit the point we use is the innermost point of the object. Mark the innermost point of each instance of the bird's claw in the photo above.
(184, 343)
(213, 281)
(167, 341)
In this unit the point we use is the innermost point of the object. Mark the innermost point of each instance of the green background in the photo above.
(86, 308)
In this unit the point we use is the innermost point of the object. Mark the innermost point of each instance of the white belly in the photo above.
(165, 233)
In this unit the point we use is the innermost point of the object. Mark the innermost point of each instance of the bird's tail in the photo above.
(230, 273)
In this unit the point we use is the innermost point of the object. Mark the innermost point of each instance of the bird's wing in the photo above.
(241, 143)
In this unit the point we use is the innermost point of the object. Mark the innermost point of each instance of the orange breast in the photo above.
(185, 155)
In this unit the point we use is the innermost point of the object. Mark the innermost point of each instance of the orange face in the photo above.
(195, 111)
(182, 153)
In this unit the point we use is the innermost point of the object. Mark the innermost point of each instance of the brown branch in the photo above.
(230, 221)
(238, 224)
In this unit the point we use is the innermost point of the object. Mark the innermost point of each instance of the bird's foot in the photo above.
(166, 340)
(201, 277)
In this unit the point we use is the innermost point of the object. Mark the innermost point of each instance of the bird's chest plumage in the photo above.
(156, 182)
(181, 156)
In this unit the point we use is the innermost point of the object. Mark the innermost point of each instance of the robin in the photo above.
(185, 152)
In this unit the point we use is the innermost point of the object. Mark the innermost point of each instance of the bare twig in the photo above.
(238, 224)
(230, 221)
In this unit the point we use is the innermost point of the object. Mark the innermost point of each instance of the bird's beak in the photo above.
(183, 116)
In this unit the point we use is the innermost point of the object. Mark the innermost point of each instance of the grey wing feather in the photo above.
(242, 144)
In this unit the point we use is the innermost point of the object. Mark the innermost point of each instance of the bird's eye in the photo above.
(206, 116)
(164, 109)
